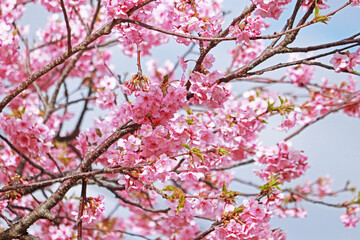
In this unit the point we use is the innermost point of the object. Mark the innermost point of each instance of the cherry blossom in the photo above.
(87, 102)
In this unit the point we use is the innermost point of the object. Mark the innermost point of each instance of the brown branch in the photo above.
(222, 34)
(76, 131)
(87, 29)
(68, 28)
(56, 164)
(330, 67)
(29, 237)
(119, 231)
(46, 182)
(324, 46)
(46, 44)
(297, 62)
(50, 108)
(98, 6)
(338, 205)
(302, 23)
(60, 106)
(182, 35)
(28, 65)
(81, 209)
(117, 195)
(209, 230)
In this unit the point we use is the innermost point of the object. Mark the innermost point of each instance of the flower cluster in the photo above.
(157, 107)
(28, 133)
(175, 135)
(105, 96)
(250, 28)
(281, 161)
(345, 61)
(93, 209)
(320, 3)
(245, 53)
(270, 8)
(207, 92)
(350, 218)
(8, 45)
(301, 74)
(322, 101)
(252, 223)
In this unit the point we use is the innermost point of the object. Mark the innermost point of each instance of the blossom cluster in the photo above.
(270, 8)
(251, 27)
(351, 217)
(166, 142)
(245, 53)
(300, 75)
(207, 92)
(345, 61)
(252, 223)
(28, 132)
(281, 161)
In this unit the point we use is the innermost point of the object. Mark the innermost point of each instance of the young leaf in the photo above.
(198, 153)
(186, 146)
(170, 188)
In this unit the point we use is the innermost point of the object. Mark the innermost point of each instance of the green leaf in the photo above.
(181, 201)
(223, 151)
(281, 100)
(317, 10)
(166, 78)
(98, 132)
(190, 121)
(188, 110)
(272, 183)
(322, 19)
(170, 188)
(270, 106)
(186, 146)
(239, 209)
(224, 188)
(15, 32)
(198, 153)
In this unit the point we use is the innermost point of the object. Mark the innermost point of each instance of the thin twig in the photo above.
(81, 209)
(68, 28)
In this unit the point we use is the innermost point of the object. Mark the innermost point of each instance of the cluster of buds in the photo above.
(138, 82)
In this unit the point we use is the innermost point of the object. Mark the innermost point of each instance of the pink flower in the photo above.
(350, 218)
(324, 186)
(93, 208)
(355, 3)
(270, 8)
(208, 61)
(282, 161)
(183, 63)
(354, 60)
(105, 98)
(163, 164)
(133, 143)
(339, 61)
(191, 176)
